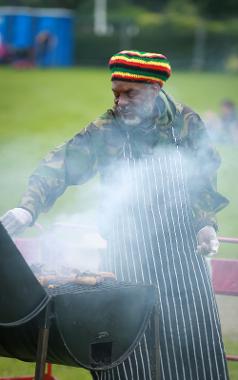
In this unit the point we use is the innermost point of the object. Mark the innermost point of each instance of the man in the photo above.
(223, 127)
(157, 170)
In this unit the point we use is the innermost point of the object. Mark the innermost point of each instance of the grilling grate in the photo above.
(72, 288)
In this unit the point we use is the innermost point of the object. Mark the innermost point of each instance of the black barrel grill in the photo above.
(94, 327)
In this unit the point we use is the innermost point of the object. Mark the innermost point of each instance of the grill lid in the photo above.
(21, 295)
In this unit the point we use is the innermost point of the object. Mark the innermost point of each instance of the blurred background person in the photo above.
(229, 121)
(43, 44)
(213, 125)
(222, 127)
(5, 52)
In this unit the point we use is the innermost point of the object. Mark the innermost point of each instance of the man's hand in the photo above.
(16, 220)
(208, 243)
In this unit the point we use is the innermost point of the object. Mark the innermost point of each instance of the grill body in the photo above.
(95, 327)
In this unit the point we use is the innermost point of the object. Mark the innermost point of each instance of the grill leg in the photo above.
(156, 344)
(42, 345)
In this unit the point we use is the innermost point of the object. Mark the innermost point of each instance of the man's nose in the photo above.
(122, 101)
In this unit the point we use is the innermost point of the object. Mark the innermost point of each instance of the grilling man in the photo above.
(157, 169)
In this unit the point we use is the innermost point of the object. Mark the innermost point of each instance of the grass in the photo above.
(41, 109)
(13, 367)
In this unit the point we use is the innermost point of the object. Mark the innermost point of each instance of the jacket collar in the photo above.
(164, 115)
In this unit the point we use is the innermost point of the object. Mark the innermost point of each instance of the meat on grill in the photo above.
(87, 278)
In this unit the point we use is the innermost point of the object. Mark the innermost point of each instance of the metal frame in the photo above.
(43, 336)
(229, 240)
(156, 343)
(42, 345)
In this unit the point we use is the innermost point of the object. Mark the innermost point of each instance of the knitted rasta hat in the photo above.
(138, 66)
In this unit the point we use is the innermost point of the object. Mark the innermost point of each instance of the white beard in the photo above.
(136, 120)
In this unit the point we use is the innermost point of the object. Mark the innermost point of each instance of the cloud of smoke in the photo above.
(78, 240)
(73, 240)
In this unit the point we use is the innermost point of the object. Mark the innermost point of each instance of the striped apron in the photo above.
(152, 241)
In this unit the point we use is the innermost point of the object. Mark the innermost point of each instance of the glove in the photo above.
(16, 220)
(208, 243)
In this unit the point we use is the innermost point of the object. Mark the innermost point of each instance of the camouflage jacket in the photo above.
(101, 143)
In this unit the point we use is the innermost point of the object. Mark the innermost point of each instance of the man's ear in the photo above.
(156, 88)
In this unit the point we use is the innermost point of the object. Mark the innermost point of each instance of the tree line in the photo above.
(209, 8)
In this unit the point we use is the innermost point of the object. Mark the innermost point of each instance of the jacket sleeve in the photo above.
(204, 162)
(72, 163)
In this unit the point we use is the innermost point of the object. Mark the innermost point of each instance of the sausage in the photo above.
(83, 278)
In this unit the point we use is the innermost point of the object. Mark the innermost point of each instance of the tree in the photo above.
(71, 4)
(218, 9)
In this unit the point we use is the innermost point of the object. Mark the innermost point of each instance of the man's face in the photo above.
(134, 102)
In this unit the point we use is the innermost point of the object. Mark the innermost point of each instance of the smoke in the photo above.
(77, 237)
(19, 157)
(78, 240)
(72, 242)
(67, 235)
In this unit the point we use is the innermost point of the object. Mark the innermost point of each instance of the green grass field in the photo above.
(41, 109)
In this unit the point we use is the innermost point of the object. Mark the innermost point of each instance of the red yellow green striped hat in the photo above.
(138, 66)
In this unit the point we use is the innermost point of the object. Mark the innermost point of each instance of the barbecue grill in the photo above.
(94, 327)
